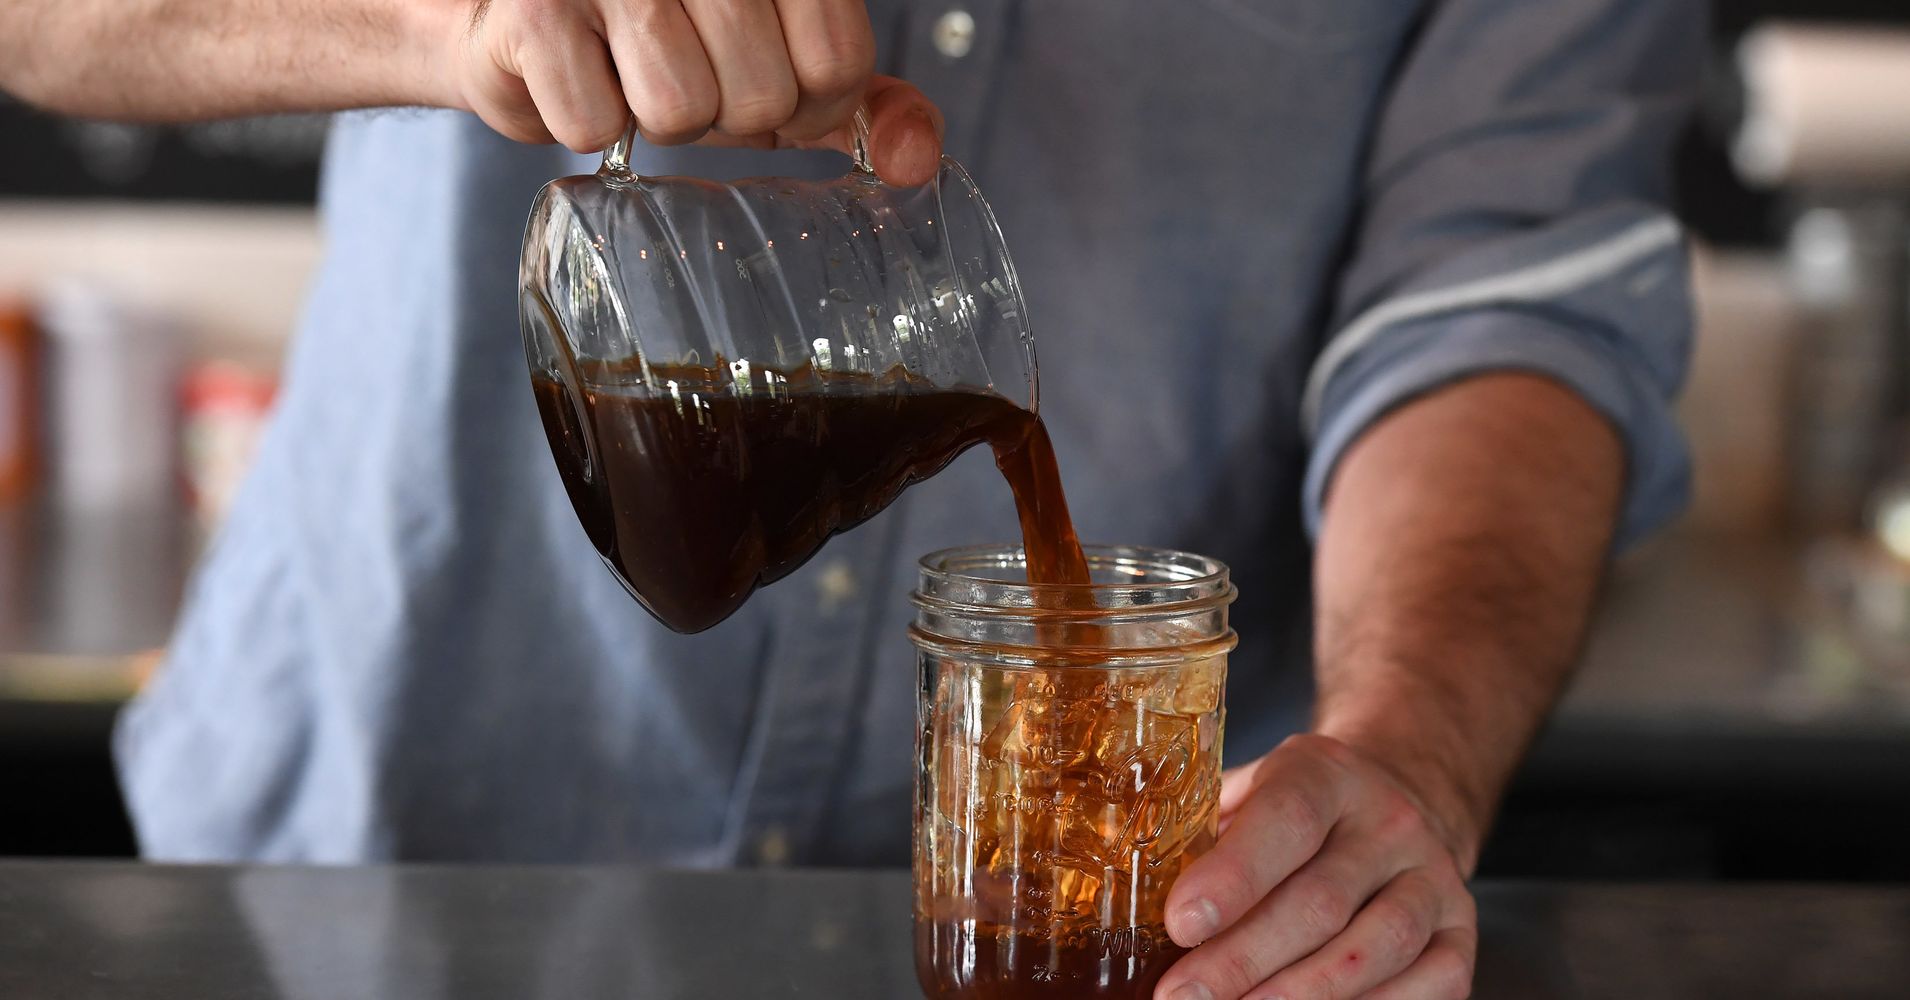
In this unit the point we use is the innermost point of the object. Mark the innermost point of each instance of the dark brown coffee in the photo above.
(701, 493)
(957, 960)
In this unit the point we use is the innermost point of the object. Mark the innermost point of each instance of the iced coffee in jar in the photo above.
(1068, 747)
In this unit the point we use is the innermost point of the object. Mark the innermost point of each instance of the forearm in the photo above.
(184, 60)
(1463, 539)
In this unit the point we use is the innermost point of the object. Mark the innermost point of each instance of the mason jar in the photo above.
(1068, 767)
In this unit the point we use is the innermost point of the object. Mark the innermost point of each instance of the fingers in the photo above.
(569, 77)
(666, 76)
(504, 103)
(1442, 972)
(756, 86)
(693, 70)
(832, 52)
(1299, 797)
(905, 133)
(1387, 936)
(1307, 910)
(1234, 786)
(1316, 830)
(538, 70)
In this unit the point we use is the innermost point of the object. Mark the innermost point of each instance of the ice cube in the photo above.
(1130, 730)
(1086, 836)
(1043, 733)
(1122, 730)
(1200, 685)
(1074, 891)
(1005, 740)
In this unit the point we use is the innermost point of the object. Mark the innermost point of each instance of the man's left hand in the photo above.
(1330, 880)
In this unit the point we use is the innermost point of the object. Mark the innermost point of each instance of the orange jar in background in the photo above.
(19, 401)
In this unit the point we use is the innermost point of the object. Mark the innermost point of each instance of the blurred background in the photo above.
(1744, 709)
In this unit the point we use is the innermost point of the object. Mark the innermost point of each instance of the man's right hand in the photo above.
(761, 73)
(727, 72)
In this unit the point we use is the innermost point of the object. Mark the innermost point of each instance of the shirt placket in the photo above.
(811, 698)
(952, 49)
(814, 682)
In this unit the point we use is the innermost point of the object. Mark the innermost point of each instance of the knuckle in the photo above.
(519, 132)
(1328, 751)
(584, 135)
(732, 13)
(1313, 984)
(591, 140)
(605, 135)
(1459, 902)
(538, 14)
(1313, 744)
(841, 71)
(1298, 819)
(572, 141)
(579, 130)
(678, 118)
(670, 136)
(759, 111)
(1321, 905)
(1227, 880)
(1451, 974)
(513, 123)
(1400, 821)
(1238, 971)
(1402, 930)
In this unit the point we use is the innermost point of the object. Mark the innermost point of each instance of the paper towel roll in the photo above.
(1825, 105)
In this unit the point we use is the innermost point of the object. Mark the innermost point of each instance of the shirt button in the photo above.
(955, 33)
(835, 586)
(772, 848)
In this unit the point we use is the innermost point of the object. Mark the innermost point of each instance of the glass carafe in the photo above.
(704, 352)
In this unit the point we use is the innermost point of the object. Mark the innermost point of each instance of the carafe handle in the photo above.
(616, 165)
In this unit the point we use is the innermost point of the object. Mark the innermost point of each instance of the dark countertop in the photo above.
(83, 930)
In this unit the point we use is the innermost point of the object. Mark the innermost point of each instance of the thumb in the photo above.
(905, 133)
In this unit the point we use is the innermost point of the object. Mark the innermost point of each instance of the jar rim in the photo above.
(1148, 607)
(1162, 582)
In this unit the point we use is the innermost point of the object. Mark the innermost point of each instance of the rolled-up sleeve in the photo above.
(1514, 219)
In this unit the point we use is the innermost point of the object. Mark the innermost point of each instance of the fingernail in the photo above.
(1193, 991)
(1198, 922)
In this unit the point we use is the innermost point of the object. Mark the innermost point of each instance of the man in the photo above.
(1391, 271)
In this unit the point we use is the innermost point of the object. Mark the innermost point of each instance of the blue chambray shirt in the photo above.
(1246, 228)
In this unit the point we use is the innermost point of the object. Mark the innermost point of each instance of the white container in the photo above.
(112, 412)
(1825, 106)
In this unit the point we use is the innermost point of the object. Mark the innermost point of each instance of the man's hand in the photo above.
(730, 72)
(1331, 881)
(1464, 537)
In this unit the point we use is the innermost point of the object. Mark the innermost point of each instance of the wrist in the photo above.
(1432, 764)
(430, 34)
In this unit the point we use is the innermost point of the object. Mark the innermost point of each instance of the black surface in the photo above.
(1658, 799)
(71, 930)
(57, 779)
(265, 160)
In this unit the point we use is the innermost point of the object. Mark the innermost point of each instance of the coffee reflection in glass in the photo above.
(1068, 747)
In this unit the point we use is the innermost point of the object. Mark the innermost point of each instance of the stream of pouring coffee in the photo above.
(700, 494)
(1025, 456)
